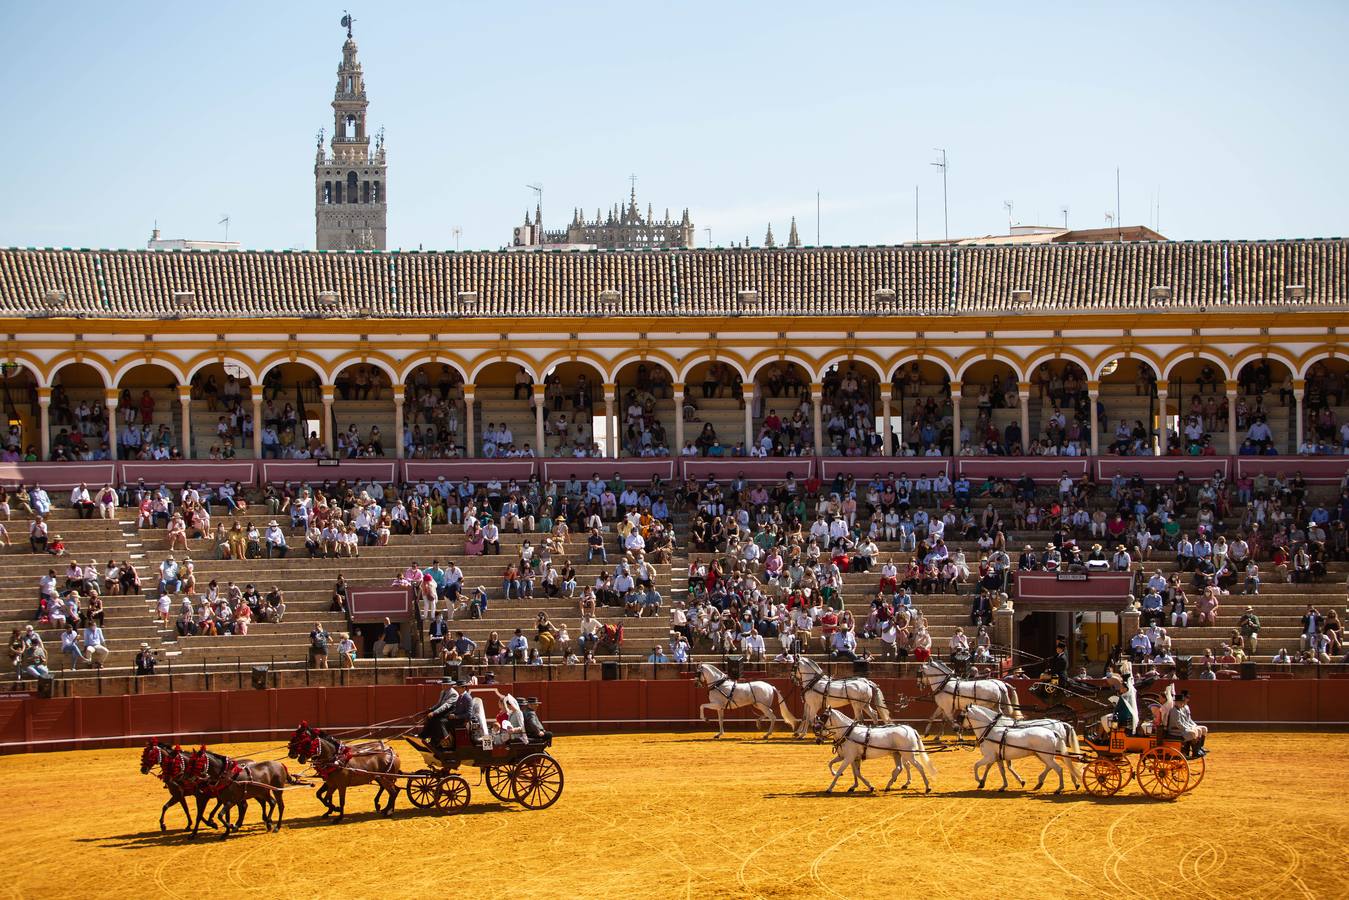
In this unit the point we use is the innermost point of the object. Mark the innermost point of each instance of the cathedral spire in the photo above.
(350, 182)
(793, 239)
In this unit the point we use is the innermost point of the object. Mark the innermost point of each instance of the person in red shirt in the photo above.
(147, 408)
(828, 624)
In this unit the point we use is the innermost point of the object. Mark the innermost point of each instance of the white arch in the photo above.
(94, 364)
(622, 363)
(802, 361)
(309, 364)
(494, 358)
(838, 358)
(704, 357)
(1300, 372)
(340, 365)
(1096, 373)
(422, 359)
(907, 358)
(985, 357)
(1256, 353)
(212, 360)
(1197, 354)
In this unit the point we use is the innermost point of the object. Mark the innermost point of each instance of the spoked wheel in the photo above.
(499, 782)
(453, 794)
(1162, 773)
(1103, 777)
(538, 781)
(1197, 769)
(421, 790)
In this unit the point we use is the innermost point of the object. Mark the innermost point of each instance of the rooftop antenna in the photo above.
(1109, 219)
(538, 193)
(1007, 205)
(915, 213)
(709, 236)
(1119, 223)
(817, 219)
(1064, 210)
(457, 232)
(225, 220)
(945, 207)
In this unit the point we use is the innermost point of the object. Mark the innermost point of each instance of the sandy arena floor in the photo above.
(685, 816)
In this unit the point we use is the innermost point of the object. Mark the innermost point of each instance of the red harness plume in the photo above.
(339, 761)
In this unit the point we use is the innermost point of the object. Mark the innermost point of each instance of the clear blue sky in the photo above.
(1234, 112)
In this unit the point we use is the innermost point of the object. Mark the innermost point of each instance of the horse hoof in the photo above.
(852, 789)
(927, 790)
(163, 827)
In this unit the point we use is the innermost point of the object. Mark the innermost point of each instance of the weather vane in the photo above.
(346, 22)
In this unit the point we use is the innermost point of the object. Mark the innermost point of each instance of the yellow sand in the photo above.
(686, 816)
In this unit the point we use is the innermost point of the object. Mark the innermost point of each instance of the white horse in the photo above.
(1001, 740)
(952, 694)
(724, 692)
(819, 691)
(854, 742)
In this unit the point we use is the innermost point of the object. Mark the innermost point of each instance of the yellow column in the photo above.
(110, 396)
(1023, 394)
(611, 442)
(185, 405)
(747, 391)
(1093, 393)
(956, 396)
(44, 426)
(255, 392)
(398, 421)
(816, 419)
(1299, 391)
(539, 390)
(679, 419)
(1161, 422)
(326, 429)
(470, 395)
(887, 431)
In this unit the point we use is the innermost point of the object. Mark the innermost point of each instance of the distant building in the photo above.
(623, 228)
(1050, 234)
(158, 243)
(351, 182)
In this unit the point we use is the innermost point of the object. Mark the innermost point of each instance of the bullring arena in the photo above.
(675, 815)
(431, 571)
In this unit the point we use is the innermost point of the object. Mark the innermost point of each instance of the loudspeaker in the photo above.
(609, 671)
(734, 667)
(260, 677)
(45, 684)
(1248, 671)
(861, 667)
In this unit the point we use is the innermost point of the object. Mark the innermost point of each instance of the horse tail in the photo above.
(783, 710)
(878, 701)
(925, 762)
(1011, 703)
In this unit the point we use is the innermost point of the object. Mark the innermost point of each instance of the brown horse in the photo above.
(235, 783)
(342, 766)
(172, 763)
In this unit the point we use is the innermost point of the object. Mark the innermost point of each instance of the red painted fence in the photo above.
(30, 724)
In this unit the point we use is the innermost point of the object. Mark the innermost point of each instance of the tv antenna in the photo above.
(1007, 205)
(945, 207)
(225, 220)
(1064, 210)
(1109, 219)
(457, 232)
(538, 196)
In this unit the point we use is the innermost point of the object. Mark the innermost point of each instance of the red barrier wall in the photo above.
(1162, 468)
(474, 470)
(863, 468)
(27, 723)
(383, 471)
(1041, 469)
(175, 472)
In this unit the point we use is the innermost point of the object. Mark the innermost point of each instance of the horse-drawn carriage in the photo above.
(518, 771)
(1156, 762)
(1083, 702)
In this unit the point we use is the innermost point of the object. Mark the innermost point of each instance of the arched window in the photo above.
(376, 194)
(349, 129)
(353, 194)
(365, 192)
(327, 192)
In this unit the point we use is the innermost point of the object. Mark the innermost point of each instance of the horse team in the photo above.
(205, 776)
(988, 707)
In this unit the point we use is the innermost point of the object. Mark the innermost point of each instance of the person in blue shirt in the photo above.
(657, 655)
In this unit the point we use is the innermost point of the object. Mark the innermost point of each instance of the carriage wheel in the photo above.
(453, 794)
(1197, 769)
(499, 782)
(421, 790)
(538, 781)
(1162, 772)
(1104, 777)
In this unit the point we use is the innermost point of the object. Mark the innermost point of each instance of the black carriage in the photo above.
(518, 771)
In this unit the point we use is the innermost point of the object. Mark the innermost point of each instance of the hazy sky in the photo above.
(1233, 113)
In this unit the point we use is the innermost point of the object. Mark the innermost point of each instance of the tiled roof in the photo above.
(802, 282)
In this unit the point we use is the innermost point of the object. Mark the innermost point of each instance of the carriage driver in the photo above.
(436, 729)
(1180, 726)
